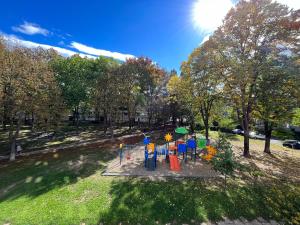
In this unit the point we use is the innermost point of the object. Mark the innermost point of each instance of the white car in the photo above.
(255, 135)
(237, 131)
(252, 134)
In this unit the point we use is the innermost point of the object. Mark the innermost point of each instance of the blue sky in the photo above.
(165, 30)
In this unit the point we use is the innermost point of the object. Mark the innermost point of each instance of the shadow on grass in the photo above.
(146, 202)
(33, 141)
(39, 174)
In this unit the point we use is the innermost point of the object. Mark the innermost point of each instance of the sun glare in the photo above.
(207, 15)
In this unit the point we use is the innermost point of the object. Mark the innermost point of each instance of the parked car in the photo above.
(291, 144)
(255, 135)
(260, 136)
(238, 131)
(252, 134)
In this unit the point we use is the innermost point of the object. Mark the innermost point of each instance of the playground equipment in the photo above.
(181, 130)
(211, 152)
(125, 150)
(174, 163)
(192, 145)
(150, 154)
(181, 147)
(151, 147)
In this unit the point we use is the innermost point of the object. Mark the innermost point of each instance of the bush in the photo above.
(223, 161)
(283, 133)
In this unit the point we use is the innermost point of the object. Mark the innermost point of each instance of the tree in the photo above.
(102, 66)
(3, 102)
(247, 31)
(27, 85)
(144, 76)
(174, 97)
(45, 106)
(223, 161)
(106, 89)
(75, 78)
(276, 94)
(130, 89)
(205, 85)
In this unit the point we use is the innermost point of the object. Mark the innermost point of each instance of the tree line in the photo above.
(250, 63)
(249, 68)
(43, 87)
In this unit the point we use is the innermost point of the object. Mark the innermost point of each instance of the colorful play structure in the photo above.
(199, 148)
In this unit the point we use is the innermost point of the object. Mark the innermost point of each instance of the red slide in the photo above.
(174, 163)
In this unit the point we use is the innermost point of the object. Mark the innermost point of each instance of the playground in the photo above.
(48, 186)
(180, 156)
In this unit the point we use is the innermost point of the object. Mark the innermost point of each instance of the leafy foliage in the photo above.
(245, 40)
(296, 117)
(27, 88)
(223, 161)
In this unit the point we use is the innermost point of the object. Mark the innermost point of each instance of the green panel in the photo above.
(201, 143)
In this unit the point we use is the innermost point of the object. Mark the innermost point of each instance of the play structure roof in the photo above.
(181, 130)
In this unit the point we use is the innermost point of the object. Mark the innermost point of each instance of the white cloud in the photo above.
(208, 14)
(15, 41)
(295, 4)
(30, 29)
(97, 52)
(84, 51)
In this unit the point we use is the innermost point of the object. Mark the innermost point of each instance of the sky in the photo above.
(167, 31)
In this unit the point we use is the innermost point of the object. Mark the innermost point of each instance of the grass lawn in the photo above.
(66, 187)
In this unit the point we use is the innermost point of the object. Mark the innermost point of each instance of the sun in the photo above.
(207, 15)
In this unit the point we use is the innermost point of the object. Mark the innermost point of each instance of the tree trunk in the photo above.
(246, 141)
(10, 138)
(205, 118)
(74, 116)
(4, 124)
(225, 182)
(32, 123)
(268, 134)
(192, 125)
(105, 121)
(77, 118)
(4, 118)
(14, 138)
(12, 156)
(129, 118)
(181, 121)
(206, 125)
(149, 121)
(173, 120)
(111, 128)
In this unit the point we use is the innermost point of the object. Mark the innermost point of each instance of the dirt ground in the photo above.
(133, 165)
(282, 164)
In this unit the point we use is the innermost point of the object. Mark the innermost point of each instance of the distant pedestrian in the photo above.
(19, 149)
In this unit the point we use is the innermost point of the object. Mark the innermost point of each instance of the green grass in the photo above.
(215, 135)
(67, 188)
